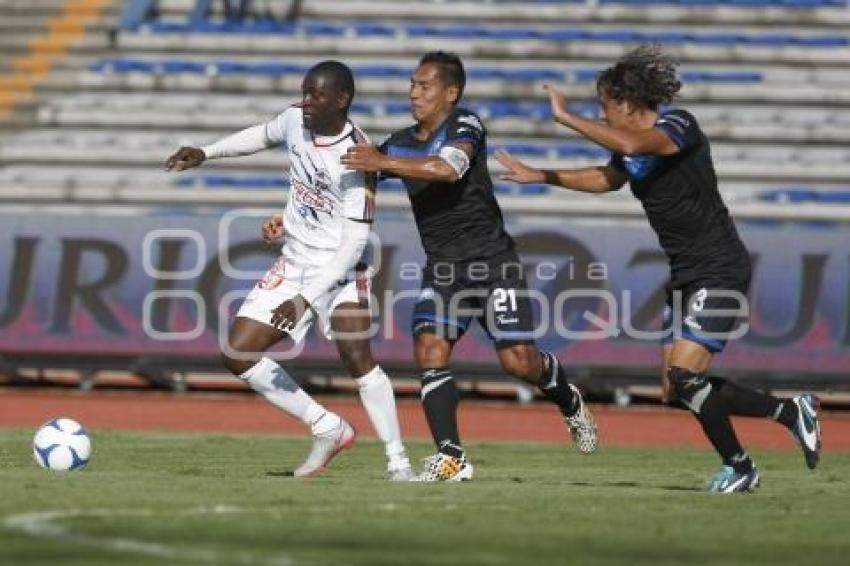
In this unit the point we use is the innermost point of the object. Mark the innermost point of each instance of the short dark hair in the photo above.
(338, 73)
(450, 66)
(645, 76)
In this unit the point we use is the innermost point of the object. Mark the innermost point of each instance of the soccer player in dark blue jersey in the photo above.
(472, 271)
(666, 159)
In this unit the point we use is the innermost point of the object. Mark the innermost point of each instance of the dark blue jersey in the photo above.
(682, 202)
(457, 221)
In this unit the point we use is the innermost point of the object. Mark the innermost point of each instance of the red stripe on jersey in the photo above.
(369, 203)
(362, 283)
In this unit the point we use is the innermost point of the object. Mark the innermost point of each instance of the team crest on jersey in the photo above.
(322, 181)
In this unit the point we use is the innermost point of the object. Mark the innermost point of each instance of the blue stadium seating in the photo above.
(274, 69)
(276, 182)
(738, 3)
(320, 29)
(232, 182)
(803, 195)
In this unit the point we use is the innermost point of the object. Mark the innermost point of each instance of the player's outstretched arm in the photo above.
(625, 142)
(587, 179)
(363, 157)
(245, 142)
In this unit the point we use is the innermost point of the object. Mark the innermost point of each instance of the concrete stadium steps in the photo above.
(579, 12)
(734, 162)
(527, 49)
(175, 111)
(259, 84)
(498, 71)
(576, 11)
(807, 202)
(35, 37)
(81, 180)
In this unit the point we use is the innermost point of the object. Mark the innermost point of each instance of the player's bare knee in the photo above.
(518, 368)
(522, 361)
(431, 350)
(236, 366)
(356, 358)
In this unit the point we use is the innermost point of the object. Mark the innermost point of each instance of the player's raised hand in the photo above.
(557, 101)
(286, 316)
(273, 228)
(518, 171)
(363, 157)
(185, 158)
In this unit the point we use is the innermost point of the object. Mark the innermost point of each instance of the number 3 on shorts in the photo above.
(501, 297)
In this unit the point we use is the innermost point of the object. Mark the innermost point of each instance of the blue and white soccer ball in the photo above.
(61, 445)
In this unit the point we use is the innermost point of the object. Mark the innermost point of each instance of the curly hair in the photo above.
(645, 76)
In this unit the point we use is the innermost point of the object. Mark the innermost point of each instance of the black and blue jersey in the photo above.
(683, 204)
(457, 221)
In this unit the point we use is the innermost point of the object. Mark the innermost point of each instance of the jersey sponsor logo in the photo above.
(310, 203)
(503, 319)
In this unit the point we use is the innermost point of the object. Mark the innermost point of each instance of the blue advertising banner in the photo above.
(166, 282)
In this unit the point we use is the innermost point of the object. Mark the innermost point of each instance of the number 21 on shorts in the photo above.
(501, 298)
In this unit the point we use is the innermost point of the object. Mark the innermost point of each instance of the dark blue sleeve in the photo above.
(617, 163)
(681, 127)
(465, 127)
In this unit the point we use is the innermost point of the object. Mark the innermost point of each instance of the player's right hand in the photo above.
(518, 171)
(273, 228)
(557, 101)
(185, 158)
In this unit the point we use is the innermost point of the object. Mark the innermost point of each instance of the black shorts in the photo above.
(708, 311)
(492, 291)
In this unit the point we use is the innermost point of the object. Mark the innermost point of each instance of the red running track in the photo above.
(480, 421)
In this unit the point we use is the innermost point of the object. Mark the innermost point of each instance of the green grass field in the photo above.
(195, 499)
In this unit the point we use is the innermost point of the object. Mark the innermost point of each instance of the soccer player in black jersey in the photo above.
(666, 159)
(472, 270)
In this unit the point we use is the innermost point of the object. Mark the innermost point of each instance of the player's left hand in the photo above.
(557, 101)
(362, 157)
(517, 171)
(287, 315)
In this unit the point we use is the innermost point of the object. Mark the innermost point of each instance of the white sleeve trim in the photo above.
(456, 158)
(355, 236)
(248, 141)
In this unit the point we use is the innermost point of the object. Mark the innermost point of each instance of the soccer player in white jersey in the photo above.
(320, 272)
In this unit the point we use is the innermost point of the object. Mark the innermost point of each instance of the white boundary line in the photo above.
(47, 524)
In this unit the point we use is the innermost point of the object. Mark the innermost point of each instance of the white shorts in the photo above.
(284, 280)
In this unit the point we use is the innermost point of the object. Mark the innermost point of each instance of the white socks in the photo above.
(376, 392)
(272, 382)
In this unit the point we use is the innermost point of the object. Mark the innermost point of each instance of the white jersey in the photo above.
(323, 191)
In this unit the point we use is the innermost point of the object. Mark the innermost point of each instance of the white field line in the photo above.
(47, 524)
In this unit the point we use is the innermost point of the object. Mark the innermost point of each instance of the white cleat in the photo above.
(399, 468)
(807, 428)
(325, 447)
(442, 467)
(402, 474)
(582, 427)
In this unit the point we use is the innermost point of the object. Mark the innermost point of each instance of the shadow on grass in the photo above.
(630, 484)
(281, 474)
